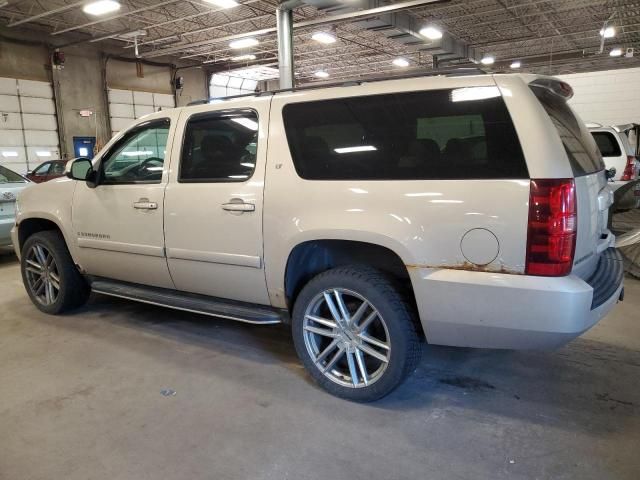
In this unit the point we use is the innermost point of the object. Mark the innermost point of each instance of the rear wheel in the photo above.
(49, 274)
(355, 333)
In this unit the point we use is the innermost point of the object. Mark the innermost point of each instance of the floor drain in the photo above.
(167, 392)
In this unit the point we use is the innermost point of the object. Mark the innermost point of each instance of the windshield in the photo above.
(581, 148)
(8, 176)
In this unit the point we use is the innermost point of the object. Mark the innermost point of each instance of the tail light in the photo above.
(629, 168)
(553, 222)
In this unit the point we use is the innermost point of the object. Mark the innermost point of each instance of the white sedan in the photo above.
(11, 184)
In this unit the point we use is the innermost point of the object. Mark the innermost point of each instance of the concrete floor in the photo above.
(80, 398)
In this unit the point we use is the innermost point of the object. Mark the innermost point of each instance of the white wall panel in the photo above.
(41, 137)
(38, 105)
(37, 155)
(8, 86)
(29, 88)
(33, 121)
(143, 98)
(121, 96)
(118, 124)
(10, 138)
(141, 110)
(10, 121)
(163, 100)
(9, 103)
(121, 110)
(610, 97)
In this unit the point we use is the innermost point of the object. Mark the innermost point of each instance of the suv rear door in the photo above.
(593, 195)
(214, 200)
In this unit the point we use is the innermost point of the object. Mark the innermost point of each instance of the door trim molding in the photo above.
(135, 248)
(215, 257)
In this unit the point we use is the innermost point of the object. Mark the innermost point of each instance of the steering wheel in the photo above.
(143, 166)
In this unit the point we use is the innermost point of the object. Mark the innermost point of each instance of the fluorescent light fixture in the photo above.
(515, 64)
(616, 52)
(244, 43)
(446, 201)
(9, 154)
(247, 123)
(431, 32)
(360, 148)
(321, 74)
(608, 32)
(101, 7)
(43, 153)
(247, 164)
(223, 3)
(488, 60)
(238, 176)
(474, 93)
(400, 62)
(323, 37)
(240, 58)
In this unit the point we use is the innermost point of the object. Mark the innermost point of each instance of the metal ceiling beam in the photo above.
(333, 19)
(46, 14)
(114, 17)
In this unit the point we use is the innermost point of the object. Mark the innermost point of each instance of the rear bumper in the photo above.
(494, 310)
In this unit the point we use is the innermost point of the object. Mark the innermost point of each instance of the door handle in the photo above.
(145, 204)
(238, 207)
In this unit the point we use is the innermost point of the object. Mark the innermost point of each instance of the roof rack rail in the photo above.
(354, 82)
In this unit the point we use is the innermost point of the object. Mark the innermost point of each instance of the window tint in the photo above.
(220, 147)
(42, 170)
(57, 168)
(9, 176)
(139, 156)
(607, 144)
(442, 134)
(583, 153)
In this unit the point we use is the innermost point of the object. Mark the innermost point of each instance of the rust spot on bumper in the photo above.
(470, 267)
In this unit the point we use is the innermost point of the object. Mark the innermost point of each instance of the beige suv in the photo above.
(461, 210)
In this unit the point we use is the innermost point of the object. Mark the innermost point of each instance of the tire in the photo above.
(49, 248)
(383, 329)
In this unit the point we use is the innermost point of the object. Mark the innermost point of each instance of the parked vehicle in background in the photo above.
(11, 184)
(467, 210)
(618, 153)
(47, 171)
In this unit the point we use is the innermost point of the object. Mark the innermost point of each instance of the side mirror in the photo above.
(82, 169)
(610, 173)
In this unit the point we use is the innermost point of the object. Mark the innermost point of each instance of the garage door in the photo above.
(127, 105)
(28, 125)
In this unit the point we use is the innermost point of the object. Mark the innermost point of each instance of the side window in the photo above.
(139, 156)
(57, 168)
(219, 147)
(42, 170)
(464, 133)
(607, 144)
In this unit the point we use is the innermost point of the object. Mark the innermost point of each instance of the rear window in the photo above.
(607, 144)
(464, 133)
(9, 176)
(583, 153)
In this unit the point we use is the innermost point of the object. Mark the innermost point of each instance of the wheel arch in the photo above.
(31, 225)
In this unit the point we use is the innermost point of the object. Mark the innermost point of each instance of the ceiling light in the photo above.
(223, 3)
(240, 58)
(101, 7)
(431, 32)
(360, 148)
(616, 52)
(7, 154)
(323, 37)
(487, 60)
(244, 43)
(321, 74)
(246, 123)
(608, 32)
(515, 64)
(400, 62)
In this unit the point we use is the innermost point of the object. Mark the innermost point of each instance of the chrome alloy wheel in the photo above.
(43, 277)
(346, 338)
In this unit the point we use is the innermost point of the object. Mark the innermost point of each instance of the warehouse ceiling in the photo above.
(553, 37)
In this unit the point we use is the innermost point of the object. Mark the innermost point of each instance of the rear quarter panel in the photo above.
(423, 222)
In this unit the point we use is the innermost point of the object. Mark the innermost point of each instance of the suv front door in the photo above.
(213, 203)
(119, 223)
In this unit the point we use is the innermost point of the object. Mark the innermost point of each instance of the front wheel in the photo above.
(49, 274)
(354, 333)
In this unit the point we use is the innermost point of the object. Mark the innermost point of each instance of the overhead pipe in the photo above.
(284, 32)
